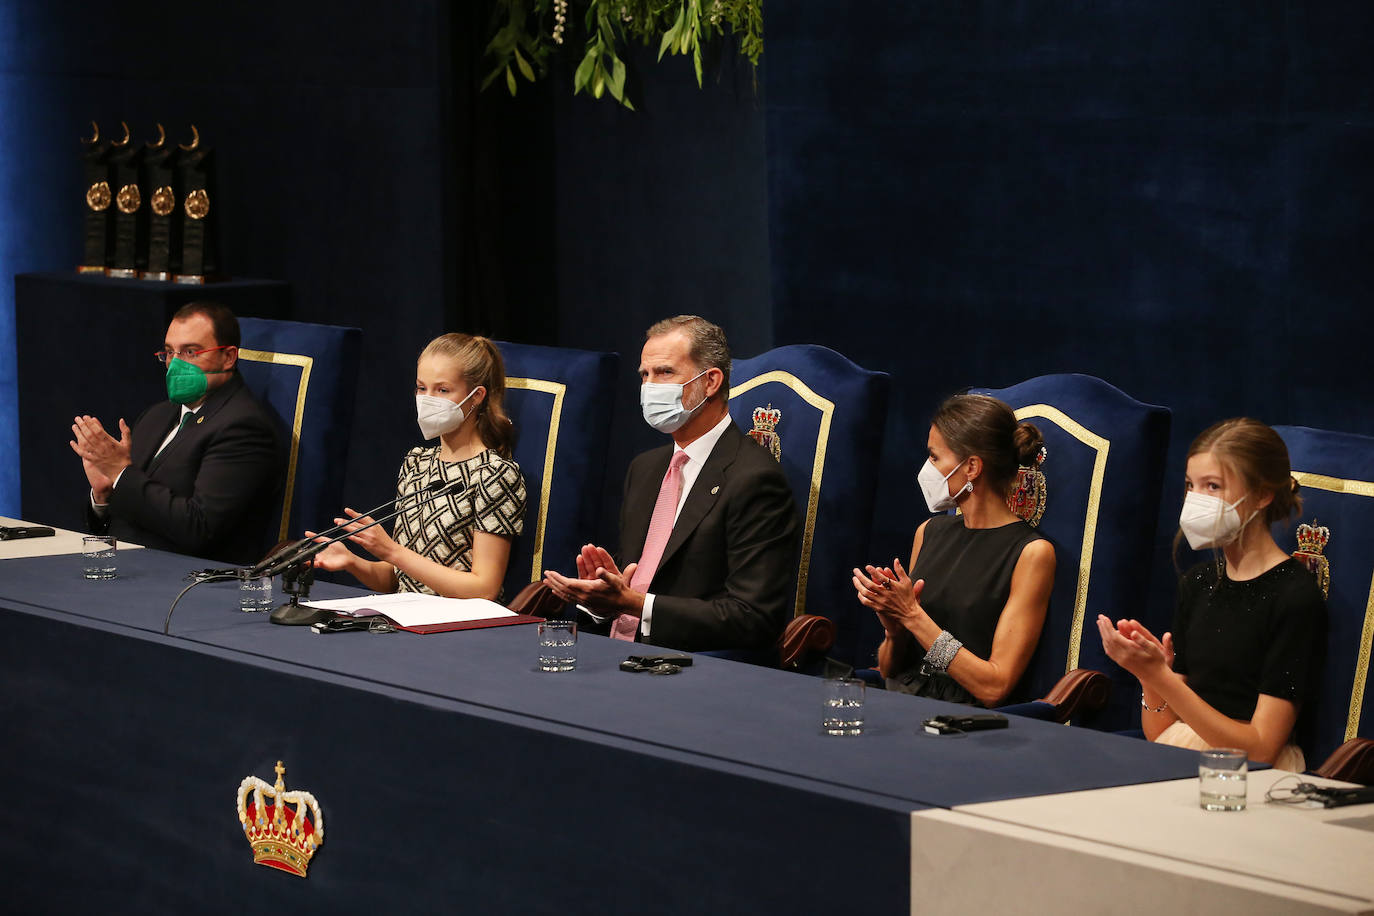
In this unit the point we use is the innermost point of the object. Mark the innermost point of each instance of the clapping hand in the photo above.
(600, 586)
(103, 457)
(373, 539)
(1135, 648)
(889, 591)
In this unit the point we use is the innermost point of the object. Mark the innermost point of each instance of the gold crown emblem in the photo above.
(1030, 492)
(280, 836)
(1312, 540)
(765, 431)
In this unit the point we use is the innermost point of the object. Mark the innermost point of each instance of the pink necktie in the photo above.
(660, 528)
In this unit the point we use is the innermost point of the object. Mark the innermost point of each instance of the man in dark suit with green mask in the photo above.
(199, 473)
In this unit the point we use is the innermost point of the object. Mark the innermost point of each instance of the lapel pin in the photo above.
(199, 420)
(715, 490)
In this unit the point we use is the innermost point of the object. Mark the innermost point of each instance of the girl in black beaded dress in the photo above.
(1233, 670)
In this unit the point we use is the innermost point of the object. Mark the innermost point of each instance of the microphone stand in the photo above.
(287, 560)
(298, 572)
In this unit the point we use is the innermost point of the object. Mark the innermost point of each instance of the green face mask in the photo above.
(187, 382)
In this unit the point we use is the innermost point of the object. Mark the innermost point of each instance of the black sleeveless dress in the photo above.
(968, 580)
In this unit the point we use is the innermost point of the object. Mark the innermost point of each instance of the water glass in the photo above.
(844, 706)
(255, 595)
(98, 556)
(558, 645)
(1221, 774)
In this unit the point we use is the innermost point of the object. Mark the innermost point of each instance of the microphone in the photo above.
(257, 571)
(297, 552)
(295, 614)
(308, 547)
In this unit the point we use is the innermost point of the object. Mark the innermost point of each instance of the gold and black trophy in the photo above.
(195, 169)
(99, 228)
(164, 216)
(131, 214)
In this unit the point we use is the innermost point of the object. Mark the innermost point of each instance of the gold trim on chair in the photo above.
(1354, 488)
(1085, 556)
(558, 390)
(305, 363)
(827, 409)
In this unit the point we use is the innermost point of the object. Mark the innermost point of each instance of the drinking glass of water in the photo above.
(557, 645)
(255, 595)
(1221, 774)
(843, 713)
(98, 554)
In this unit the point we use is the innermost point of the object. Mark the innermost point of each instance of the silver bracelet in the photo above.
(1148, 708)
(942, 652)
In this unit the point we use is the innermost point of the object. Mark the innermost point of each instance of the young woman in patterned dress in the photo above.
(457, 545)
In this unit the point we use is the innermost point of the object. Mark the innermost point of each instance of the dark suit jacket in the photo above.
(727, 579)
(215, 488)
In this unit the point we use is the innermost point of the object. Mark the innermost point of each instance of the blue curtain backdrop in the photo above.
(13, 252)
(1172, 196)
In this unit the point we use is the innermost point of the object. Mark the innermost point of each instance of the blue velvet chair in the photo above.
(306, 374)
(560, 401)
(1104, 470)
(1336, 471)
(827, 417)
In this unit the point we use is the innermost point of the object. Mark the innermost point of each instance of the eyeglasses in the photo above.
(186, 355)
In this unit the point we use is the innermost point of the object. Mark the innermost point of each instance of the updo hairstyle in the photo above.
(976, 424)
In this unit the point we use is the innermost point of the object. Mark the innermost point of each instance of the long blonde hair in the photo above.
(480, 363)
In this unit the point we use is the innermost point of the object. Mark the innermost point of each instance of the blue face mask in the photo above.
(661, 404)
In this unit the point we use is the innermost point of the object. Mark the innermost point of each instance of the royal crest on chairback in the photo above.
(1028, 494)
(765, 431)
(1312, 540)
(280, 836)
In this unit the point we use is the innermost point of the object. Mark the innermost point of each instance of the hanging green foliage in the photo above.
(527, 36)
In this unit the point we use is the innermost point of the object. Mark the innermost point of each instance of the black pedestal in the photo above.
(85, 346)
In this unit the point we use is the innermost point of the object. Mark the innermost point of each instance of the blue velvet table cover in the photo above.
(428, 750)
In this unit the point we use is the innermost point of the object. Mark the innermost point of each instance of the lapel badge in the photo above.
(715, 489)
(1028, 494)
(765, 431)
(281, 837)
(1312, 540)
(199, 420)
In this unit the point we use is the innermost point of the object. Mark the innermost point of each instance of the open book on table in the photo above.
(425, 613)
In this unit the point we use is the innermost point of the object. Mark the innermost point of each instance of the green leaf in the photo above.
(617, 82)
(491, 78)
(696, 59)
(510, 81)
(670, 37)
(528, 72)
(583, 76)
(598, 82)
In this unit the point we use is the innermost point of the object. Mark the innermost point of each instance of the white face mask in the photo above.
(437, 416)
(662, 404)
(935, 490)
(1207, 521)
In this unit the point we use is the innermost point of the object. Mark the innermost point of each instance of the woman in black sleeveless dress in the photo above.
(963, 624)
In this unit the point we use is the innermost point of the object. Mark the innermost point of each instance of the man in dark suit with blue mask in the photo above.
(199, 473)
(708, 526)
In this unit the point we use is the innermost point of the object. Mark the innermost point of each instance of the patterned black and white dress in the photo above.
(441, 530)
